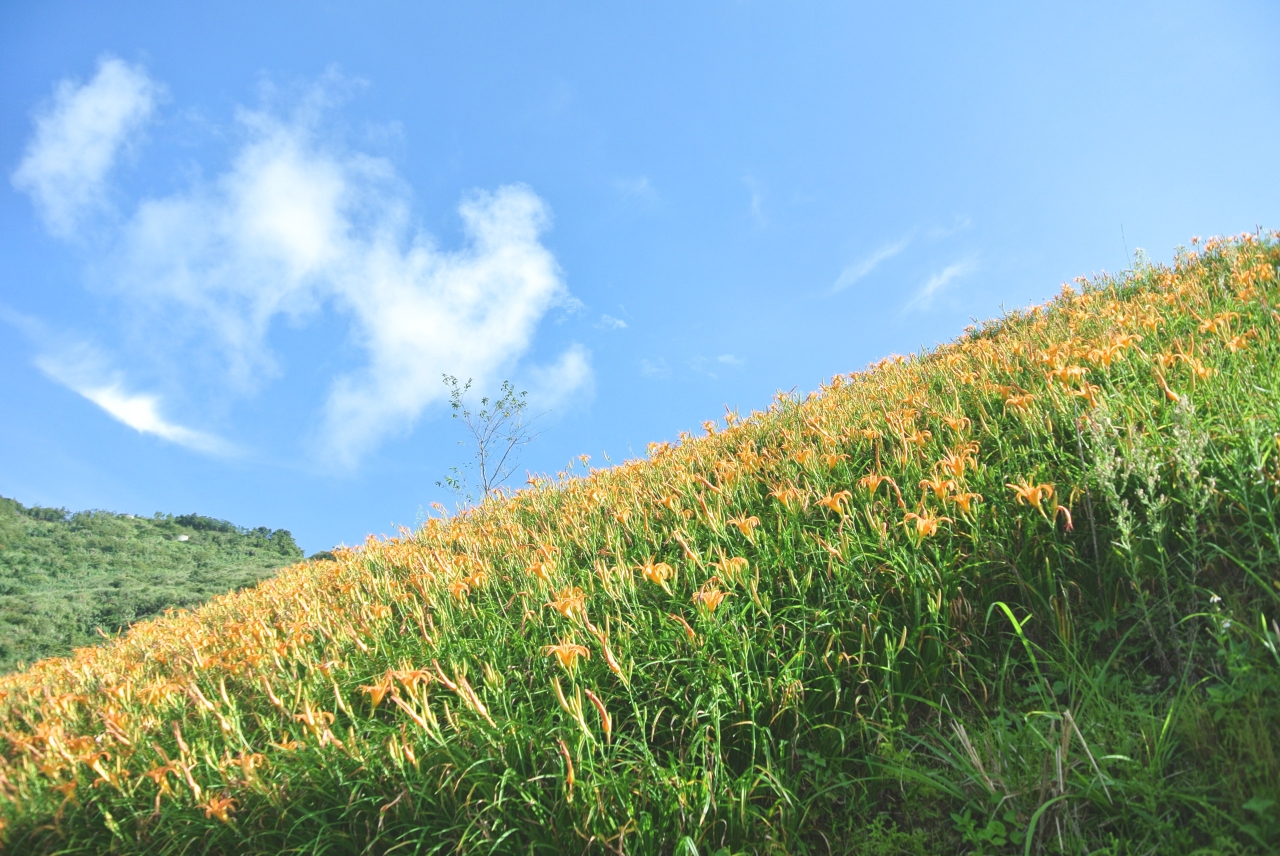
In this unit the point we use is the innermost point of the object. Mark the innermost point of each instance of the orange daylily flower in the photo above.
(709, 596)
(248, 761)
(459, 589)
(917, 438)
(726, 472)
(955, 462)
(872, 482)
(1199, 369)
(1067, 374)
(1020, 403)
(1221, 321)
(832, 459)
(1239, 343)
(745, 525)
(1089, 392)
(220, 807)
(965, 500)
(748, 456)
(657, 573)
(733, 567)
(835, 501)
(903, 417)
(788, 496)
(1032, 494)
(159, 775)
(569, 602)
(1103, 356)
(567, 653)
(925, 525)
(314, 719)
(379, 690)
(940, 487)
(410, 678)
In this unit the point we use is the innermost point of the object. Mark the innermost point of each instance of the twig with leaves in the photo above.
(499, 431)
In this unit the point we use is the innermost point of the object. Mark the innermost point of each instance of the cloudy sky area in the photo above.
(241, 247)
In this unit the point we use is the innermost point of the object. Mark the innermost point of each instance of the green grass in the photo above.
(68, 579)
(889, 673)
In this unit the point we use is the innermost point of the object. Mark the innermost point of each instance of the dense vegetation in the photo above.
(1014, 595)
(68, 579)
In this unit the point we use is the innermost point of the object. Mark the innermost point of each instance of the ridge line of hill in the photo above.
(1016, 594)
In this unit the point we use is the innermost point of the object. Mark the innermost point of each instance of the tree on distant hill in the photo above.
(498, 431)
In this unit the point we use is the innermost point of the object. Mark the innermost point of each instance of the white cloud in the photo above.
(82, 369)
(859, 269)
(654, 368)
(608, 322)
(923, 299)
(142, 413)
(637, 189)
(564, 382)
(78, 138)
(730, 360)
(295, 225)
(569, 307)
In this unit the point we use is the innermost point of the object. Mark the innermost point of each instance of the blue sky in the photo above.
(242, 242)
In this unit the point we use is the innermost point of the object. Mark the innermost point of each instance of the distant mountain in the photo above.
(66, 579)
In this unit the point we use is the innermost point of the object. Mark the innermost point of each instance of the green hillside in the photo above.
(67, 579)
(1018, 594)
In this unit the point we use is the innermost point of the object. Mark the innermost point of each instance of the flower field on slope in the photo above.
(1016, 594)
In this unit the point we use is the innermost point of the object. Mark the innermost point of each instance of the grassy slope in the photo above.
(65, 577)
(897, 665)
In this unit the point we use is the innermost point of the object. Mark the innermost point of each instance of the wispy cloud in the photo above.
(639, 190)
(298, 224)
(710, 366)
(564, 383)
(959, 224)
(862, 267)
(654, 368)
(78, 137)
(83, 370)
(569, 307)
(934, 285)
(608, 322)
